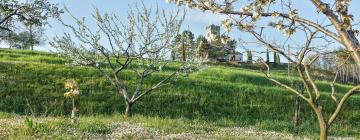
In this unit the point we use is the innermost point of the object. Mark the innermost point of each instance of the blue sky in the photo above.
(196, 20)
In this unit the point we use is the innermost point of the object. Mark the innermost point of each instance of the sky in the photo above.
(195, 20)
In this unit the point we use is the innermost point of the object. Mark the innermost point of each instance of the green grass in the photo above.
(5, 115)
(219, 95)
(96, 127)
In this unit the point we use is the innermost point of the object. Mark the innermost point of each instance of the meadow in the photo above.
(216, 97)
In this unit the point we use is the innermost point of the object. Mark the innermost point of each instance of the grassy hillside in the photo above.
(223, 96)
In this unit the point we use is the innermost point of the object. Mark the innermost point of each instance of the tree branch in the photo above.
(9, 16)
(155, 87)
(270, 46)
(268, 76)
(298, 19)
(333, 89)
(341, 104)
(4, 28)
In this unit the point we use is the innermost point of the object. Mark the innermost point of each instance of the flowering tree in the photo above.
(284, 17)
(31, 12)
(141, 45)
(73, 91)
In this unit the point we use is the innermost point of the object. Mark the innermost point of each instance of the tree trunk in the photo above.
(183, 52)
(297, 111)
(323, 133)
(322, 124)
(353, 73)
(274, 57)
(128, 109)
(347, 73)
(31, 38)
(173, 55)
(358, 74)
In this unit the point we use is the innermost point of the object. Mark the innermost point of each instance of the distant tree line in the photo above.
(342, 62)
(22, 24)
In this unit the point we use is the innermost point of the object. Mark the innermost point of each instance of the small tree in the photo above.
(230, 49)
(203, 48)
(249, 57)
(141, 45)
(36, 33)
(185, 44)
(25, 39)
(11, 39)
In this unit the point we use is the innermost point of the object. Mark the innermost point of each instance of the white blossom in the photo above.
(256, 15)
(245, 9)
(275, 15)
(227, 24)
(292, 14)
(168, 1)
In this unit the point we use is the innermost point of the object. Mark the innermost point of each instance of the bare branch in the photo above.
(298, 19)
(268, 76)
(159, 84)
(341, 104)
(333, 89)
(270, 46)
